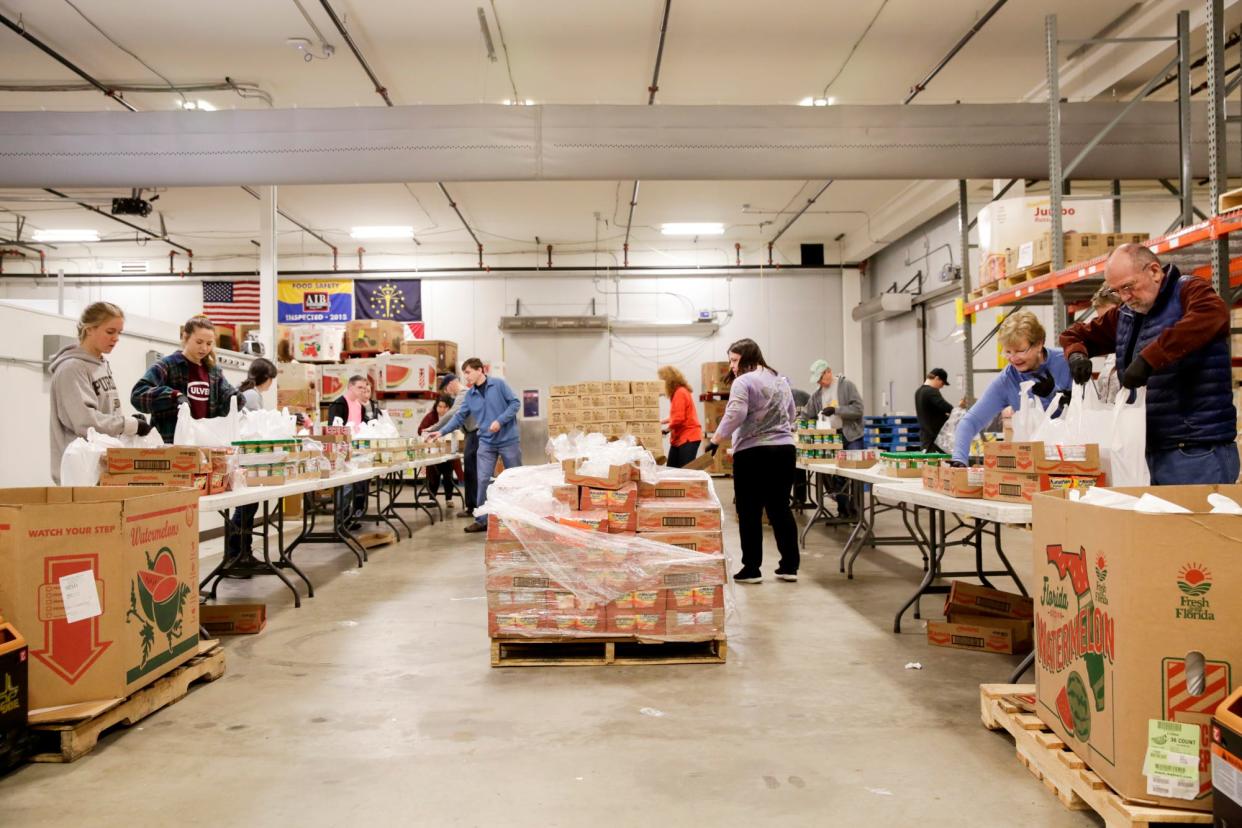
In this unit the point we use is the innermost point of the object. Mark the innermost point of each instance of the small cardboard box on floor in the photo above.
(1137, 622)
(103, 583)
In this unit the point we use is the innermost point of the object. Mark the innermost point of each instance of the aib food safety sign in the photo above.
(314, 300)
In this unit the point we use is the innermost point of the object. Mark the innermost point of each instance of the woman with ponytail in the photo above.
(188, 377)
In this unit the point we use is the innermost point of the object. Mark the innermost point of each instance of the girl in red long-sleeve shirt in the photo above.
(682, 424)
(443, 472)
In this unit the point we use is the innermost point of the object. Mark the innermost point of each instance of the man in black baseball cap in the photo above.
(932, 408)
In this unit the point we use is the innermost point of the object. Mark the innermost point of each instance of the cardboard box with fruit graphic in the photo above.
(1137, 620)
(103, 583)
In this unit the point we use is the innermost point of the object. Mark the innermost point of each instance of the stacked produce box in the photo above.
(611, 407)
(1015, 472)
(572, 554)
(189, 467)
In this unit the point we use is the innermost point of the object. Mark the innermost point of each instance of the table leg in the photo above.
(820, 511)
(217, 573)
(394, 485)
(283, 561)
(1000, 553)
(936, 534)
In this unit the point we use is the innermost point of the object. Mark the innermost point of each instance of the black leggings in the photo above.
(679, 456)
(762, 478)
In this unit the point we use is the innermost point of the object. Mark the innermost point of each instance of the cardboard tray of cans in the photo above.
(909, 463)
(564, 561)
(210, 470)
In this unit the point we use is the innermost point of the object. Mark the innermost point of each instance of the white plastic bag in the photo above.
(210, 431)
(1127, 442)
(83, 459)
(267, 425)
(1029, 416)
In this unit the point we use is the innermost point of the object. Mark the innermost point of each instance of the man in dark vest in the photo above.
(1170, 334)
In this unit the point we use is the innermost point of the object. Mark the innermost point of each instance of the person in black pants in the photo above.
(451, 385)
(760, 417)
(932, 408)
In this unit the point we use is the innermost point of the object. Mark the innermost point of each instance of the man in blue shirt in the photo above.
(494, 407)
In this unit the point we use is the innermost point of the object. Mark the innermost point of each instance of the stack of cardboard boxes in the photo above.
(1076, 247)
(443, 351)
(646, 561)
(1016, 472)
(954, 482)
(209, 470)
(611, 407)
(985, 620)
(817, 444)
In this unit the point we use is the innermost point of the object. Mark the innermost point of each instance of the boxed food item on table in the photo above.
(857, 458)
(443, 351)
(163, 460)
(908, 463)
(958, 482)
(1042, 458)
(1136, 635)
(1015, 487)
(103, 583)
(373, 336)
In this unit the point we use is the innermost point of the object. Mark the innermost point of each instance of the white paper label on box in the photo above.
(1172, 788)
(1226, 778)
(79, 596)
(1026, 255)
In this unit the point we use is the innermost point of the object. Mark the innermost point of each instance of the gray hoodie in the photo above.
(83, 397)
(849, 405)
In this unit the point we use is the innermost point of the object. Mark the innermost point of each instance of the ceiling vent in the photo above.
(135, 267)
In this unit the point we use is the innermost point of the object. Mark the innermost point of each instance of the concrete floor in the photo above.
(375, 704)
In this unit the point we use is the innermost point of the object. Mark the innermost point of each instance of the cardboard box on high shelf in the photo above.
(233, 619)
(443, 351)
(1134, 613)
(1077, 247)
(1115, 240)
(132, 618)
(712, 378)
(1042, 458)
(407, 373)
(332, 381)
(299, 383)
(713, 413)
(373, 336)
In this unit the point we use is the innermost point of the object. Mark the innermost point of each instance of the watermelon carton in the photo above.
(1136, 634)
(407, 373)
(103, 584)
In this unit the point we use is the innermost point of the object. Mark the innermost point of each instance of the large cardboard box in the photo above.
(1137, 620)
(317, 343)
(407, 373)
(981, 633)
(233, 619)
(975, 600)
(1042, 458)
(105, 634)
(443, 351)
(333, 379)
(713, 413)
(712, 378)
(371, 336)
(1012, 487)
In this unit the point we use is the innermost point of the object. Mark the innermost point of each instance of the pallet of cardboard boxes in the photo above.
(610, 407)
(609, 559)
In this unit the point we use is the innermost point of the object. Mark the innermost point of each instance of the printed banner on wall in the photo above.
(314, 300)
(400, 300)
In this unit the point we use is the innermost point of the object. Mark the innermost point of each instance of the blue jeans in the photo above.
(511, 454)
(1194, 465)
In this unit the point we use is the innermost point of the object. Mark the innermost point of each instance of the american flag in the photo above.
(231, 301)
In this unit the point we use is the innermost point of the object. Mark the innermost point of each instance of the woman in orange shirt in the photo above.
(682, 424)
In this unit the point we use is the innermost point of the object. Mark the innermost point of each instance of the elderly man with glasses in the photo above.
(1170, 334)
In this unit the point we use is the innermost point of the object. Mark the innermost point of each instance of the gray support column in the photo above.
(968, 343)
(1214, 27)
(267, 270)
(1055, 182)
(1183, 117)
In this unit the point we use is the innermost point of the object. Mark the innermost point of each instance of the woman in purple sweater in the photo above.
(760, 418)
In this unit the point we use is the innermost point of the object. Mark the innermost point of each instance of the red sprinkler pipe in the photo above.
(737, 247)
(361, 250)
(549, 255)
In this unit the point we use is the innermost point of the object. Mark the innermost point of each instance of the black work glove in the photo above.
(144, 428)
(1044, 385)
(957, 464)
(829, 410)
(712, 448)
(1080, 368)
(1137, 374)
(1063, 399)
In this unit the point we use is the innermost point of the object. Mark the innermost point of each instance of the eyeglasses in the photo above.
(1009, 354)
(1124, 290)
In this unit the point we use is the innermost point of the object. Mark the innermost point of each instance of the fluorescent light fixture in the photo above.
(66, 235)
(817, 101)
(368, 233)
(203, 105)
(692, 228)
(510, 102)
(806, 102)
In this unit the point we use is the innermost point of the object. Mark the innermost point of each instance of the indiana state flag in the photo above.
(400, 300)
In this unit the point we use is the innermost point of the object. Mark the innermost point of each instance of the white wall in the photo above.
(25, 436)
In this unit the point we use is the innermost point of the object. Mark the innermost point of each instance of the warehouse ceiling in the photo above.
(546, 52)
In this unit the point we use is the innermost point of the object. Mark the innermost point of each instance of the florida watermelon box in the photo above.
(133, 618)
(1137, 620)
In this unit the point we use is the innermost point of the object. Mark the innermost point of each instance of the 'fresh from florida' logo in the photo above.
(1195, 581)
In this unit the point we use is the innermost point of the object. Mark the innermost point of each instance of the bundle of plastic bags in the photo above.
(83, 460)
(267, 425)
(1120, 430)
(209, 431)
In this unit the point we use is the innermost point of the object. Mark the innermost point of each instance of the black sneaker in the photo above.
(475, 526)
(748, 576)
(782, 575)
(465, 513)
(353, 526)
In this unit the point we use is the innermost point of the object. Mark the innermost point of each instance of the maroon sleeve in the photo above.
(1094, 338)
(1204, 318)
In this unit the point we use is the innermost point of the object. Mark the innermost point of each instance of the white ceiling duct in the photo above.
(587, 143)
(884, 306)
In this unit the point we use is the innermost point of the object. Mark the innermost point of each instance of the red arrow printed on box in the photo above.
(69, 649)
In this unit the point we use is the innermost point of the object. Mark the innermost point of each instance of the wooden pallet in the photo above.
(66, 734)
(1010, 707)
(1022, 276)
(570, 652)
(1231, 200)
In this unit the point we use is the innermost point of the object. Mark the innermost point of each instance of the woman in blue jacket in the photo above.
(1022, 340)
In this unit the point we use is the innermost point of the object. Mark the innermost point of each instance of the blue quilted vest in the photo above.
(1189, 402)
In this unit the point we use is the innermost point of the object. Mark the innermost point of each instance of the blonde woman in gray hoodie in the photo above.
(84, 395)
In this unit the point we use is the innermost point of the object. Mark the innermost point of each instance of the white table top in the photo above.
(875, 474)
(994, 510)
(258, 494)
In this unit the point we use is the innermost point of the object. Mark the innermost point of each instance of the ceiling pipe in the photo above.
(651, 93)
(298, 224)
(244, 89)
(957, 47)
(796, 216)
(65, 62)
(149, 233)
(27, 245)
(4, 252)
